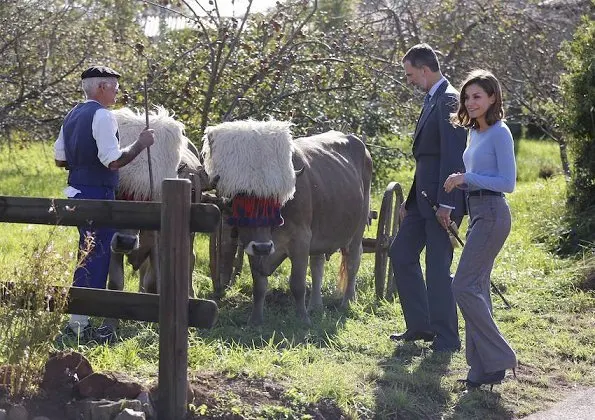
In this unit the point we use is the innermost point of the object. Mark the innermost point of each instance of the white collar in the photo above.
(434, 88)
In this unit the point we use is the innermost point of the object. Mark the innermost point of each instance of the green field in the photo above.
(345, 356)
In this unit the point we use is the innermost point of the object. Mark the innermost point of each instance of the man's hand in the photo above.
(61, 164)
(443, 216)
(402, 211)
(147, 137)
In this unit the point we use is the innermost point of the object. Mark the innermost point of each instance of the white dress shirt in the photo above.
(105, 127)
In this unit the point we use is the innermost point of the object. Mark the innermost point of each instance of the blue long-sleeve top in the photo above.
(489, 159)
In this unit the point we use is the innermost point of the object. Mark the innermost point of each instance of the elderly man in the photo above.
(88, 147)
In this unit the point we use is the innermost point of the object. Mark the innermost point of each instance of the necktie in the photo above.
(427, 100)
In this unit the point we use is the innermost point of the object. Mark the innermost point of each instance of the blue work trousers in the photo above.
(94, 244)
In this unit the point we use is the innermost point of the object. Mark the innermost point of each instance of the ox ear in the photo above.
(206, 139)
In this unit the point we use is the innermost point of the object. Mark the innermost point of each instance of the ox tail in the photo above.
(342, 282)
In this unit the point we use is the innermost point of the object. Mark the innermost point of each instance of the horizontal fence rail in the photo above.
(118, 304)
(97, 213)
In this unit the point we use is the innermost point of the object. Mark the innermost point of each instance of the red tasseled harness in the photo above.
(121, 195)
(249, 210)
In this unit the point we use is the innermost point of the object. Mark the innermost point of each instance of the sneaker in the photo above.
(106, 334)
(84, 336)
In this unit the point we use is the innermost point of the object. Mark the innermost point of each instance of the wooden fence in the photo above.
(176, 217)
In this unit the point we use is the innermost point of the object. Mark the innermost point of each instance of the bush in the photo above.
(28, 329)
(578, 121)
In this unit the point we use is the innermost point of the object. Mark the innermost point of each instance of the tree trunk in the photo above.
(564, 158)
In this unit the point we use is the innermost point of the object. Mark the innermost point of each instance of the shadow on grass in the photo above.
(280, 321)
(411, 387)
(481, 405)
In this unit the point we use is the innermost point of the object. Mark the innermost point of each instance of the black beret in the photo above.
(99, 71)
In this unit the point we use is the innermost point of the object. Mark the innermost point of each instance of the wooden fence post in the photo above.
(174, 255)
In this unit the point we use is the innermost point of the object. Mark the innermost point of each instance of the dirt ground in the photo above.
(223, 397)
(214, 396)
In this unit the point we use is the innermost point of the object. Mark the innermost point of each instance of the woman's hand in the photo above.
(453, 181)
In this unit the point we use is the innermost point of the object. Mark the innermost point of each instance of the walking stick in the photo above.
(452, 230)
(139, 47)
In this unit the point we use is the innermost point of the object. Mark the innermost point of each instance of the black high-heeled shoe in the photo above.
(491, 379)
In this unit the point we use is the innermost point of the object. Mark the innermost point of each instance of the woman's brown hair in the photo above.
(488, 82)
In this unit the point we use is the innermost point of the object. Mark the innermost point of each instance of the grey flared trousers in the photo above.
(486, 349)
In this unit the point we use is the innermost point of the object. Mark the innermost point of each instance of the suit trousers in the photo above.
(429, 305)
(486, 349)
(94, 244)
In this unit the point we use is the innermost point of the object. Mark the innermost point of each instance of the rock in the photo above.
(94, 385)
(149, 411)
(108, 385)
(124, 389)
(99, 409)
(63, 370)
(128, 414)
(112, 408)
(17, 412)
(144, 397)
(147, 404)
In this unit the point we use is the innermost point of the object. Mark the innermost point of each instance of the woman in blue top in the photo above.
(490, 171)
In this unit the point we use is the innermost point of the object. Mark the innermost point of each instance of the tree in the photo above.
(279, 64)
(518, 40)
(45, 45)
(289, 63)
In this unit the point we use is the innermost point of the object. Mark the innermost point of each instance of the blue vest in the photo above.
(84, 167)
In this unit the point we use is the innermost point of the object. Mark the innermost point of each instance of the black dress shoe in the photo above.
(410, 335)
(491, 379)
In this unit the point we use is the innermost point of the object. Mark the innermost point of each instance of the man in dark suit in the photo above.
(429, 308)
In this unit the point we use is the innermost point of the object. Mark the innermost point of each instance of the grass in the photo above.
(537, 158)
(346, 355)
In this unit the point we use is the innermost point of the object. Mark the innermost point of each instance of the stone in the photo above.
(63, 370)
(129, 414)
(99, 409)
(123, 389)
(94, 385)
(17, 412)
(148, 407)
(109, 385)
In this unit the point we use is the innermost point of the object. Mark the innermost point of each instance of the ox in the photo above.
(324, 209)
(171, 157)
